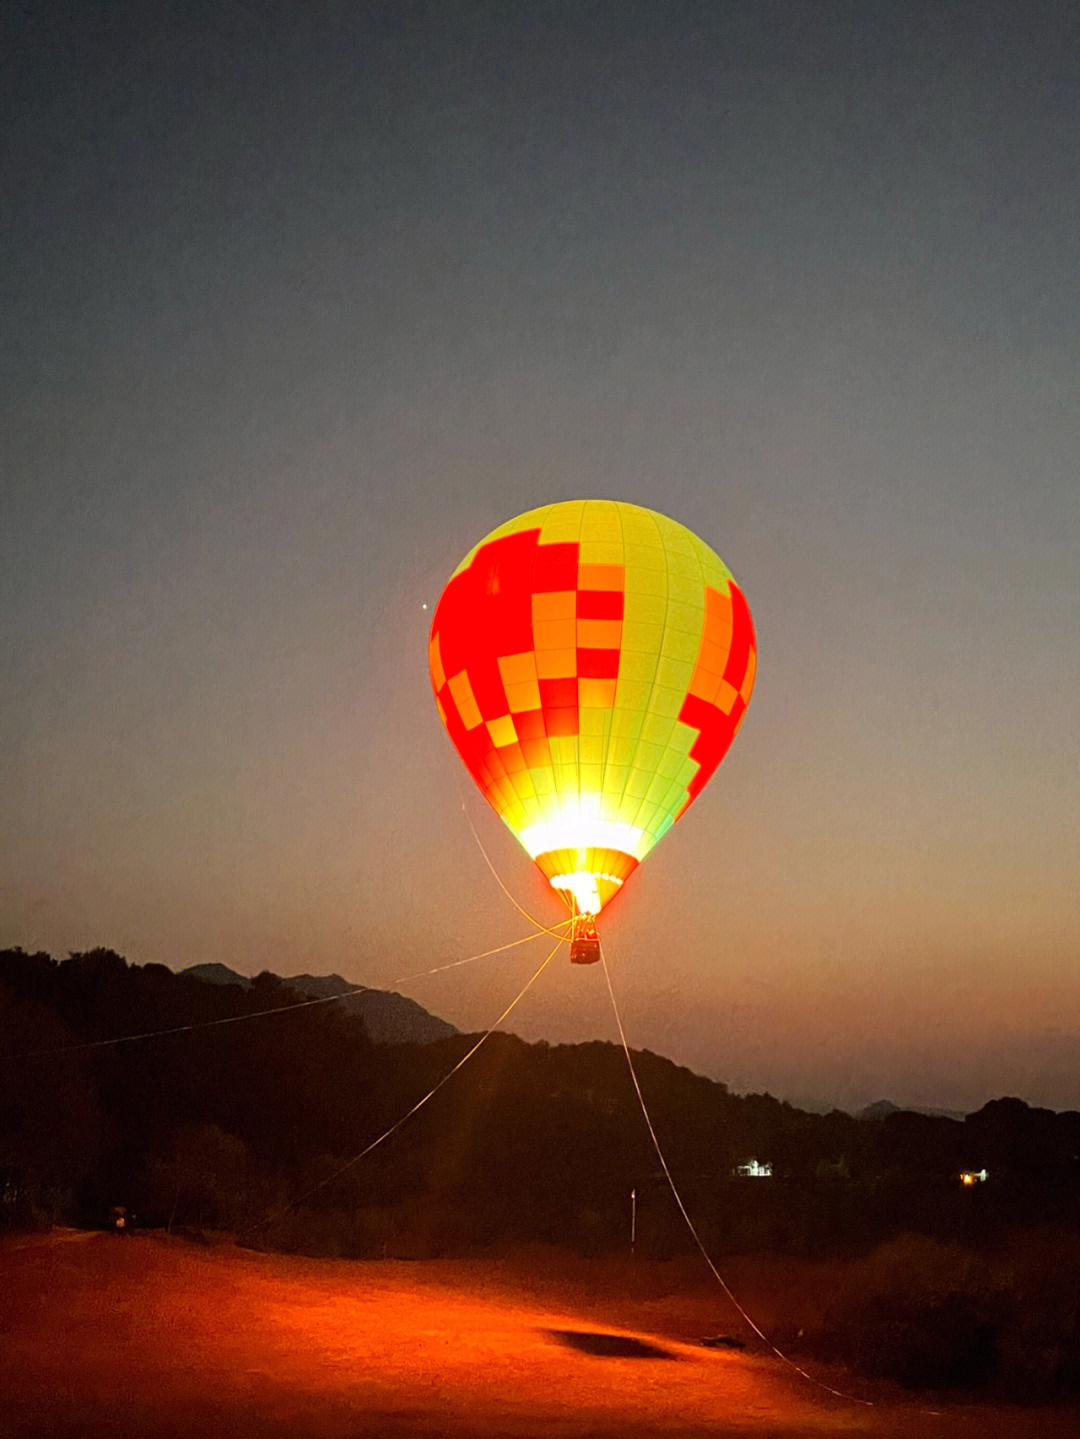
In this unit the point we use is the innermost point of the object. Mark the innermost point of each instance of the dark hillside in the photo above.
(242, 1111)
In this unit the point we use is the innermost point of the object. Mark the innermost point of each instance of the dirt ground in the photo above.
(151, 1336)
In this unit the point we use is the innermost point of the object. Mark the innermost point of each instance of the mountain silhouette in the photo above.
(882, 1108)
(389, 1018)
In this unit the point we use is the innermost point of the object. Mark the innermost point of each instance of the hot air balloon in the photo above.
(592, 662)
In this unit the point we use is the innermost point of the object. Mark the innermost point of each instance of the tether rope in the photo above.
(330, 1178)
(281, 1009)
(540, 928)
(838, 1393)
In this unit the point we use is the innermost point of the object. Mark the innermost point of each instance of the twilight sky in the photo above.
(301, 300)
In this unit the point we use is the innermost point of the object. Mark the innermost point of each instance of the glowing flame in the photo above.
(581, 886)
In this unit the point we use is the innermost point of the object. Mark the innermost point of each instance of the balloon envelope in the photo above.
(591, 661)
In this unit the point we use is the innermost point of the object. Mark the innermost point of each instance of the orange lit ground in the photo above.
(148, 1336)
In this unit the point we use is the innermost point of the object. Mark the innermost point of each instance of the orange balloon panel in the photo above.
(591, 661)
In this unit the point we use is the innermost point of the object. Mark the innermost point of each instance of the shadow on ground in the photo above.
(609, 1346)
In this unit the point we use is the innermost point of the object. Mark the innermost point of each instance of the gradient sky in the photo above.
(300, 301)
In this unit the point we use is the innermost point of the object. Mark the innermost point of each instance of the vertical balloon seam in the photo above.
(607, 753)
(673, 804)
(608, 521)
(643, 808)
(577, 576)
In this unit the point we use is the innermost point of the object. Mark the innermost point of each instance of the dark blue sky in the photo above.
(299, 301)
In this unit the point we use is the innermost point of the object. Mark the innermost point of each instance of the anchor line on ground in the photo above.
(838, 1393)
